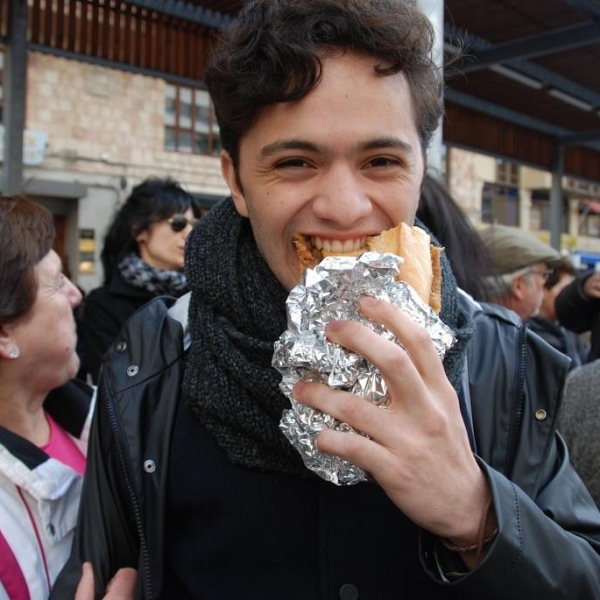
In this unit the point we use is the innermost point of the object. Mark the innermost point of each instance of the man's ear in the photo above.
(232, 180)
(519, 286)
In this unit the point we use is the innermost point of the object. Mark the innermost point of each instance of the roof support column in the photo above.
(15, 66)
(434, 9)
(556, 196)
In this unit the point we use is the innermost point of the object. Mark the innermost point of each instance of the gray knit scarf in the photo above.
(237, 312)
(140, 274)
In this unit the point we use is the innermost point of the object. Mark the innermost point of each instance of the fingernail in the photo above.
(297, 389)
(333, 326)
(368, 301)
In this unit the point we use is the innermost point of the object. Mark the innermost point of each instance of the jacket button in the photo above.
(121, 346)
(348, 592)
(133, 370)
(541, 414)
(149, 466)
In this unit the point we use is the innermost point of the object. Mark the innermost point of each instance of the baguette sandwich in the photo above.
(421, 267)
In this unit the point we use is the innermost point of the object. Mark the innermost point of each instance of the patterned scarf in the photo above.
(237, 312)
(140, 274)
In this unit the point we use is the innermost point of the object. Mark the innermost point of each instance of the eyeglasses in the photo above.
(544, 274)
(180, 222)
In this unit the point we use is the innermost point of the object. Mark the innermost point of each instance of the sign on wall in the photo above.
(34, 146)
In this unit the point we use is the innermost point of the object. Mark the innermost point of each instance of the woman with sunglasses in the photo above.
(142, 258)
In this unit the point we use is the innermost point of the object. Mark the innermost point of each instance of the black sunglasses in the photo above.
(180, 222)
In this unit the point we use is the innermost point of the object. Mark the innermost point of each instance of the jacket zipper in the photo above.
(520, 404)
(115, 426)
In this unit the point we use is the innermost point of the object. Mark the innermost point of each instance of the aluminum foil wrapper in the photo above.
(331, 292)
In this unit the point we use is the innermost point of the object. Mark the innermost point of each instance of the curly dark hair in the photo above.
(151, 201)
(26, 236)
(273, 52)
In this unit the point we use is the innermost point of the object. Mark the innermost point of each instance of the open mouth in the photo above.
(331, 246)
(312, 250)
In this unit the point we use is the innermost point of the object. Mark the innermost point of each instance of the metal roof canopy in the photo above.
(529, 64)
(547, 46)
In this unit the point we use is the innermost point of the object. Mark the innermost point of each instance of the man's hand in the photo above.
(591, 286)
(120, 587)
(418, 449)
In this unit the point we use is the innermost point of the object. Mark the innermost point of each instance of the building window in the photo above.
(500, 204)
(190, 123)
(507, 173)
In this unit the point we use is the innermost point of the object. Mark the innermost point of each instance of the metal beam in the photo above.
(455, 35)
(556, 196)
(577, 139)
(500, 112)
(551, 42)
(185, 11)
(15, 80)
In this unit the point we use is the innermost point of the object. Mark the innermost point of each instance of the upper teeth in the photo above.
(338, 245)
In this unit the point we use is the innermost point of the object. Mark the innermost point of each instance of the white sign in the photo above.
(34, 146)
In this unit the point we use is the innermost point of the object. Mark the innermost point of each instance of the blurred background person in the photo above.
(524, 265)
(546, 322)
(142, 257)
(44, 413)
(578, 309)
(471, 263)
(579, 424)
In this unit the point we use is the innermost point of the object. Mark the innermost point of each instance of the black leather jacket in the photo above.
(548, 544)
(580, 313)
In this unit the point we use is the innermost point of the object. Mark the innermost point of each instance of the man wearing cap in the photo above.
(524, 264)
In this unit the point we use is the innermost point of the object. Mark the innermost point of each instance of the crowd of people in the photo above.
(165, 472)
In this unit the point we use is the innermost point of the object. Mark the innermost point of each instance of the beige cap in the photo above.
(512, 248)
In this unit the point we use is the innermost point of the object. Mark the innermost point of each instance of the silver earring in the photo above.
(14, 353)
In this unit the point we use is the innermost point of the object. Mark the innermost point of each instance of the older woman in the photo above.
(142, 258)
(44, 413)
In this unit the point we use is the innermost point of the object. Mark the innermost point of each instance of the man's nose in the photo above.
(341, 197)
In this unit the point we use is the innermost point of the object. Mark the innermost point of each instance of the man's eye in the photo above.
(382, 161)
(292, 162)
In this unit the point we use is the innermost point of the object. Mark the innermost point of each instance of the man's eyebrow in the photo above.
(292, 144)
(297, 144)
(389, 142)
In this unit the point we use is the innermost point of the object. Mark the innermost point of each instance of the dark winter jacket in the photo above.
(580, 313)
(564, 340)
(105, 310)
(548, 545)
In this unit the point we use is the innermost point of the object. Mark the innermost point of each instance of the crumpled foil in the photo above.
(330, 292)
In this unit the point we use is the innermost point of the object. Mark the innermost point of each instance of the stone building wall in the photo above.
(103, 121)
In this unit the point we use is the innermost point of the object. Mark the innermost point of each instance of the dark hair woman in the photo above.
(472, 265)
(142, 257)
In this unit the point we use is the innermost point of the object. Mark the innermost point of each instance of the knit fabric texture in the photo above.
(236, 313)
(140, 274)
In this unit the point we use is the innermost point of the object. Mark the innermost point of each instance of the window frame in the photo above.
(213, 142)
